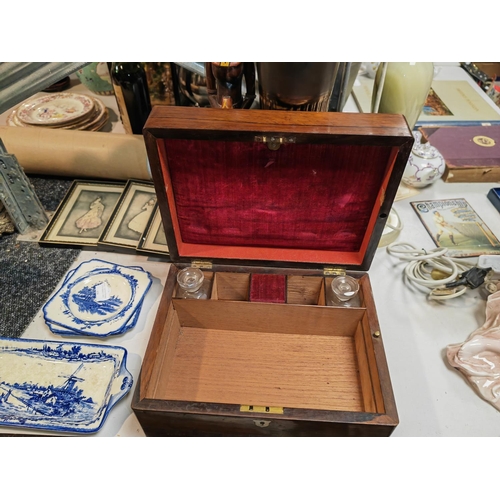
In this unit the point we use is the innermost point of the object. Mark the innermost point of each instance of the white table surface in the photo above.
(432, 398)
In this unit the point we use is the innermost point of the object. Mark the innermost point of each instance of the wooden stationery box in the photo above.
(271, 205)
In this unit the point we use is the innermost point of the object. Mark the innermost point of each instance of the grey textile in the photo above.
(29, 273)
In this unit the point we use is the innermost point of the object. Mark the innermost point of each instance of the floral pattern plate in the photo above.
(60, 386)
(92, 122)
(63, 107)
(97, 299)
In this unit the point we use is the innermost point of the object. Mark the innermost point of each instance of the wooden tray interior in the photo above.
(301, 354)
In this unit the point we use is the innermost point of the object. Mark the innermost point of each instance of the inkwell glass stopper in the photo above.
(345, 288)
(190, 280)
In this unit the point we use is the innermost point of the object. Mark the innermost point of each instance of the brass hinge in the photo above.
(261, 409)
(201, 264)
(273, 142)
(334, 271)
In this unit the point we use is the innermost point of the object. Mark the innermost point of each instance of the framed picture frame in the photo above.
(82, 215)
(130, 216)
(153, 239)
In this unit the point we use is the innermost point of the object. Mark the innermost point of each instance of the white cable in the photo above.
(421, 263)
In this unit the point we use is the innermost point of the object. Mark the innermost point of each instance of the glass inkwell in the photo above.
(192, 284)
(343, 292)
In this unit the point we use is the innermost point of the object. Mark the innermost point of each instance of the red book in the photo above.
(471, 153)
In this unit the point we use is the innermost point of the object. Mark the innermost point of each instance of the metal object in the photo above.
(20, 80)
(195, 67)
(201, 264)
(296, 86)
(293, 78)
(334, 271)
(262, 409)
(274, 143)
(344, 81)
(191, 86)
(18, 196)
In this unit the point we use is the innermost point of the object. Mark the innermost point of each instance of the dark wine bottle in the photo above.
(132, 94)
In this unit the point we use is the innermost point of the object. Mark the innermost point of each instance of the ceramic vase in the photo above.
(405, 88)
(95, 76)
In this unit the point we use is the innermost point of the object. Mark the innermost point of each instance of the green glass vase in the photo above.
(404, 89)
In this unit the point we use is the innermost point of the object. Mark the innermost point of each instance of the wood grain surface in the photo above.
(235, 367)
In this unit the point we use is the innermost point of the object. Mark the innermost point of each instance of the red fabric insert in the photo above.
(303, 196)
(268, 288)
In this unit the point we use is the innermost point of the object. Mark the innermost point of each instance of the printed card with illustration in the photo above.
(455, 225)
(153, 239)
(131, 215)
(83, 214)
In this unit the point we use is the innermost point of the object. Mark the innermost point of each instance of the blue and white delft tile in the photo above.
(97, 299)
(60, 386)
(60, 330)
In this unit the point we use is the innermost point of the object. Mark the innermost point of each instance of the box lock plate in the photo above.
(262, 409)
(274, 142)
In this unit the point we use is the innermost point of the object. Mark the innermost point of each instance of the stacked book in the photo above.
(471, 153)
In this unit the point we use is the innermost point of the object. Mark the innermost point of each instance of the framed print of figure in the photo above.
(131, 215)
(153, 239)
(83, 213)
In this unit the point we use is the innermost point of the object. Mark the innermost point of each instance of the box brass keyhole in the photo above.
(262, 423)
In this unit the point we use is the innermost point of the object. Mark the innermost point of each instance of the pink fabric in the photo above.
(303, 196)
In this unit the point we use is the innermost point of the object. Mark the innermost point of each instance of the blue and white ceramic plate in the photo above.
(98, 299)
(60, 386)
(55, 328)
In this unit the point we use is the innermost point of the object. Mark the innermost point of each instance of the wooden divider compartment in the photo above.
(305, 290)
(231, 286)
(276, 355)
(323, 369)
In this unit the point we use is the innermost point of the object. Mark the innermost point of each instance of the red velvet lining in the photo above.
(242, 200)
(268, 288)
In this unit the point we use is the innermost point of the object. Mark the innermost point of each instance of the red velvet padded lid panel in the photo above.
(303, 196)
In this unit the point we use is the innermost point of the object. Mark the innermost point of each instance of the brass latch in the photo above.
(261, 409)
(274, 143)
(201, 264)
(334, 271)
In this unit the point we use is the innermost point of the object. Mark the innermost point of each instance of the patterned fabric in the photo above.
(29, 273)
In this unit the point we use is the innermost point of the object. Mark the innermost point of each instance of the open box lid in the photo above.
(258, 187)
